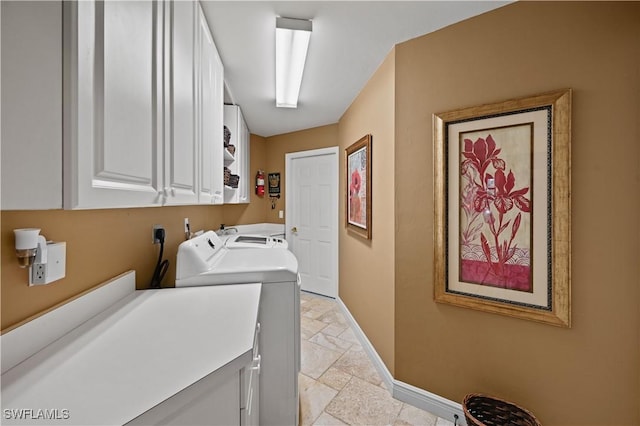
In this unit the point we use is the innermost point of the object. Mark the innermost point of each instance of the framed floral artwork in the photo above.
(502, 207)
(358, 191)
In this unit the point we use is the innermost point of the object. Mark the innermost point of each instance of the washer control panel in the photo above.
(197, 254)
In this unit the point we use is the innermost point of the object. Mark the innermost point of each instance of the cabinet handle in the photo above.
(249, 401)
(294, 230)
(256, 366)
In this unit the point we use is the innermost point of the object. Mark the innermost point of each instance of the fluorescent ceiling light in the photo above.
(292, 42)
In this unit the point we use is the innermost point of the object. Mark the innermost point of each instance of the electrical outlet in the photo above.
(154, 239)
(54, 267)
(39, 273)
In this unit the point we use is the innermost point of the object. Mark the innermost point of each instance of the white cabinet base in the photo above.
(214, 400)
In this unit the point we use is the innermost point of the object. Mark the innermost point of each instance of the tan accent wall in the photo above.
(104, 243)
(366, 283)
(586, 375)
(100, 245)
(278, 146)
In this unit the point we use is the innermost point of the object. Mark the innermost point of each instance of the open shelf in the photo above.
(228, 157)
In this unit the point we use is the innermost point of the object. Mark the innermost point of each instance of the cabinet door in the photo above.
(210, 116)
(31, 105)
(214, 401)
(181, 168)
(112, 118)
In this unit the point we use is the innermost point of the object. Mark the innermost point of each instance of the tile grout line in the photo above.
(343, 352)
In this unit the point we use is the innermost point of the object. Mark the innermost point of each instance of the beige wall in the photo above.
(366, 283)
(100, 245)
(104, 243)
(278, 146)
(587, 375)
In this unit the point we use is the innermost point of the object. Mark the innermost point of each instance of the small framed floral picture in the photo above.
(502, 208)
(358, 191)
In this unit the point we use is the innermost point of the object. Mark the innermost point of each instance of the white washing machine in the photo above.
(204, 260)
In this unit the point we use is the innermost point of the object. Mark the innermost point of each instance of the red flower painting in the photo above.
(355, 203)
(491, 204)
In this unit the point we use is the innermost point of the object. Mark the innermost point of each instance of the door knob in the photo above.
(294, 230)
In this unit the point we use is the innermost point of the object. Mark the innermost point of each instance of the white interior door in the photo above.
(312, 217)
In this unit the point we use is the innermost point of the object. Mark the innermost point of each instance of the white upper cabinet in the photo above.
(31, 105)
(210, 115)
(180, 172)
(237, 162)
(112, 111)
(135, 110)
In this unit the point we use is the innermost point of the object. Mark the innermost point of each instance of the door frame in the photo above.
(290, 199)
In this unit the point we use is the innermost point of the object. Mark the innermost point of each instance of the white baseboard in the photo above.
(383, 371)
(420, 398)
(425, 400)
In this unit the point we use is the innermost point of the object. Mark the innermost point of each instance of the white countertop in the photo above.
(134, 355)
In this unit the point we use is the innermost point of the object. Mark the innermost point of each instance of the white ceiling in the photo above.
(350, 39)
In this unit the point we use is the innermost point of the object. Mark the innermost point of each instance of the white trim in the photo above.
(384, 372)
(425, 400)
(313, 152)
(402, 391)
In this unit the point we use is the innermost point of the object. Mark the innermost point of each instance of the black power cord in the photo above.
(162, 265)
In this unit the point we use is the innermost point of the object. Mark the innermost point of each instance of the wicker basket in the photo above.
(226, 135)
(234, 180)
(227, 175)
(483, 410)
(231, 149)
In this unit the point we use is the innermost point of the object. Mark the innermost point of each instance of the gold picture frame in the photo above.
(502, 219)
(358, 187)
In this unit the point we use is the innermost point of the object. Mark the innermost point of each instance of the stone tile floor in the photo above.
(338, 383)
